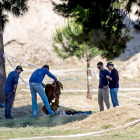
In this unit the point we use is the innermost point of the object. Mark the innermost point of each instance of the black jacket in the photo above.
(114, 83)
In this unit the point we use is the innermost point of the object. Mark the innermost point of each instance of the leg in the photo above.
(34, 99)
(112, 97)
(6, 106)
(42, 94)
(115, 97)
(100, 100)
(10, 100)
(105, 93)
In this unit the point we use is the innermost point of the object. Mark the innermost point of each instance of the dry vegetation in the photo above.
(22, 126)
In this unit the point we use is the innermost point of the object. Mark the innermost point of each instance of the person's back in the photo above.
(39, 74)
(11, 80)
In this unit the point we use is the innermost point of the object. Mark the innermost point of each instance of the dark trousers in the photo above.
(9, 99)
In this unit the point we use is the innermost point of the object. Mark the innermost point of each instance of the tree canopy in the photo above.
(67, 41)
(101, 21)
(16, 7)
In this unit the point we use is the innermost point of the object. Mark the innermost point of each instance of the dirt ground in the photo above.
(73, 97)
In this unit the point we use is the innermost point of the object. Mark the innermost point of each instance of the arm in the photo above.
(107, 75)
(50, 75)
(15, 83)
(15, 88)
(114, 76)
(43, 85)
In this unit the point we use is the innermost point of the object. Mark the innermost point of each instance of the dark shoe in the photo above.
(10, 118)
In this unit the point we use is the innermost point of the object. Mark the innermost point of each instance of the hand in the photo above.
(14, 91)
(43, 85)
(105, 87)
(107, 77)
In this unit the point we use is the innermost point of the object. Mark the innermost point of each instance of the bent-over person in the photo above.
(37, 87)
(10, 90)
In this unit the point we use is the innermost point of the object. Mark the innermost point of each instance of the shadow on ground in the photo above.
(21, 119)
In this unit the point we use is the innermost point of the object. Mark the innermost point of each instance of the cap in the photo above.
(19, 67)
(109, 63)
(46, 66)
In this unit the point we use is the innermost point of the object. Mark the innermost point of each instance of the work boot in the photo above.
(10, 117)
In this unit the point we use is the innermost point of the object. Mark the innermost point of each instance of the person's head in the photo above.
(110, 65)
(100, 66)
(19, 69)
(46, 66)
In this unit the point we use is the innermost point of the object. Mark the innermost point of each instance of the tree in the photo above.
(68, 38)
(102, 30)
(17, 8)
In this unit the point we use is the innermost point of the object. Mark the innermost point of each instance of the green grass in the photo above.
(44, 121)
(43, 126)
(106, 126)
(30, 131)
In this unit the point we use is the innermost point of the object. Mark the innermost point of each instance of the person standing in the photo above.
(113, 83)
(37, 87)
(103, 92)
(10, 90)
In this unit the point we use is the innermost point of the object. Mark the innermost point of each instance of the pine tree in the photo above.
(96, 26)
(67, 42)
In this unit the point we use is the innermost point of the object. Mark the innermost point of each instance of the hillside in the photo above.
(30, 37)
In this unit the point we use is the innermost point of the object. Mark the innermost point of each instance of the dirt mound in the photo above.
(131, 68)
(110, 118)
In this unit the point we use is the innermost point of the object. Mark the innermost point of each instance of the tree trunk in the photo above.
(89, 82)
(2, 67)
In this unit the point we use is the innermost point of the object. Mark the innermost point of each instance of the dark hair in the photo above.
(110, 64)
(100, 63)
(46, 66)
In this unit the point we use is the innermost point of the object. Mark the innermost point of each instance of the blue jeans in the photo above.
(114, 98)
(35, 87)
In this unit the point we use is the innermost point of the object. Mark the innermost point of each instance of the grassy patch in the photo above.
(49, 121)
(107, 126)
(131, 119)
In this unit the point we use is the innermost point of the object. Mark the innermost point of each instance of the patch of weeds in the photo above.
(119, 135)
(130, 119)
(95, 111)
(26, 123)
(106, 126)
(9, 123)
